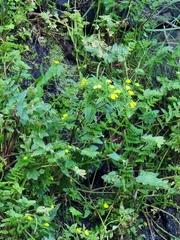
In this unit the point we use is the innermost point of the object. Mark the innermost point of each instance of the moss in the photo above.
(56, 54)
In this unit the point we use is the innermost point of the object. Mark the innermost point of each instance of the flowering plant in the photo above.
(87, 160)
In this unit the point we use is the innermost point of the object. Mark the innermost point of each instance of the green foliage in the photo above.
(86, 163)
(150, 178)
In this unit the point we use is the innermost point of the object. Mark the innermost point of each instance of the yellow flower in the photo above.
(108, 81)
(113, 96)
(46, 224)
(117, 91)
(78, 230)
(64, 116)
(97, 86)
(25, 158)
(66, 151)
(111, 86)
(128, 81)
(52, 206)
(84, 82)
(86, 232)
(131, 93)
(132, 104)
(56, 62)
(29, 218)
(128, 87)
(106, 206)
(137, 84)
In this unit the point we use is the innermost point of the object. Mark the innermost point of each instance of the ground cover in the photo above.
(90, 121)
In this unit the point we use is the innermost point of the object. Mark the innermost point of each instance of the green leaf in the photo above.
(48, 238)
(43, 210)
(80, 172)
(90, 112)
(87, 213)
(113, 178)
(159, 140)
(4, 231)
(150, 117)
(90, 152)
(139, 71)
(38, 143)
(18, 188)
(25, 202)
(114, 156)
(75, 212)
(38, 152)
(9, 27)
(33, 174)
(150, 178)
(14, 214)
(53, 71)
(21, 96)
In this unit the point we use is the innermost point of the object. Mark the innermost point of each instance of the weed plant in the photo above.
(105, 151)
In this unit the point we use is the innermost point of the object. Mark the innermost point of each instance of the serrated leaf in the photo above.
(33, 174)
(75, 212)
(25, 202)
(80, 172)
(150, 178)
(90, 152)
(159, 140)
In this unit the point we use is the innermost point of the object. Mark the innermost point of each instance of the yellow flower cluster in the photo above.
(128, 87)
(84, 82)
(108, 81)
(111, 86)
(46, 224)
(64, 116)
(113, 96)
(25, 158)
(99, 86)
(128, 81)
(117, 91)
(79, 230)
(86, 232)
(56, 62)
(130, 92)
(132, 104)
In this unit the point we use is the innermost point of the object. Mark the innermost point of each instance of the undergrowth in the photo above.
(100, 158)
